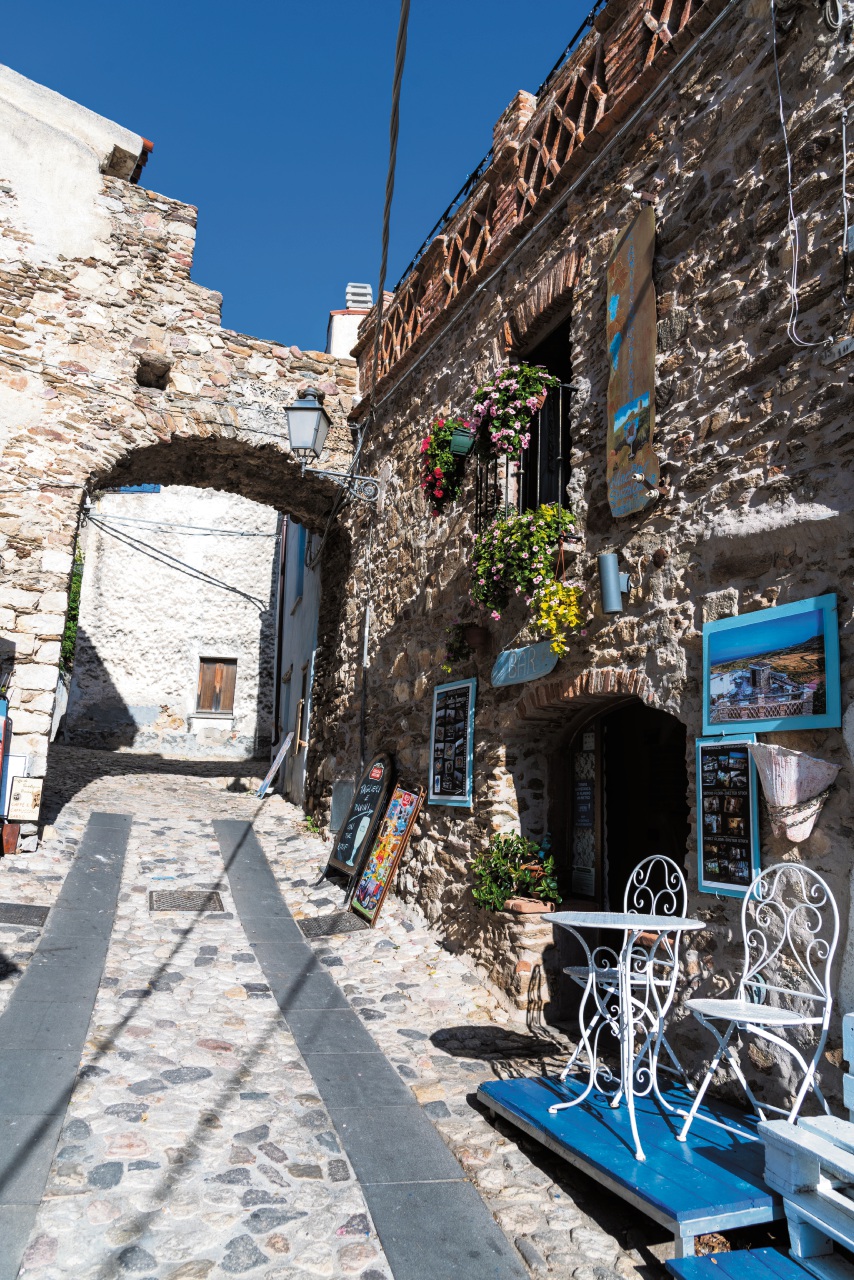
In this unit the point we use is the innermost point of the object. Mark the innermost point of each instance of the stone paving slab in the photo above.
(172, 1178)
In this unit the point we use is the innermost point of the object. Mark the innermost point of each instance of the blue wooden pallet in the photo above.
(711, 1182)
(741, 1264)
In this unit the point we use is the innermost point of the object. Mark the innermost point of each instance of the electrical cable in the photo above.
(188, 529)
(393, 130)
(794, 234)
(846, 256)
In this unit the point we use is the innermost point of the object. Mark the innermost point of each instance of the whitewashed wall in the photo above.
(157, 598)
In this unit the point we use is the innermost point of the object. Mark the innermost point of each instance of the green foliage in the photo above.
(515, 556)
(311, 824)
(457, 648)
(514, 867)
(69, 635)
(441, 472)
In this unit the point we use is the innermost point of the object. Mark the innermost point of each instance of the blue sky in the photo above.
(273, 119)
(764, 636)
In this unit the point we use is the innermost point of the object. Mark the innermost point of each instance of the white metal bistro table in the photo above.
(631, 1000)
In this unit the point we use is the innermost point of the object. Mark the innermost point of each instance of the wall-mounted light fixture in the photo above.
(612, 583)
(308, 427)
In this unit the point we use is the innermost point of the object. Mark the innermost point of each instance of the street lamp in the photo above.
(308, 427)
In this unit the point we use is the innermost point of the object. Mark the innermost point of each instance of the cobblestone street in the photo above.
(195, 1143)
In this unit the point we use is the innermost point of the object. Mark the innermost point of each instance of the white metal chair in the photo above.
(655, 887)
(790, 925)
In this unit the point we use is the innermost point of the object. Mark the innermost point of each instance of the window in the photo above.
(217, 678)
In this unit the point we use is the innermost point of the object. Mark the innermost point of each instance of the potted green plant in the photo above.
(514, 556)
(441, 469)
(504, 406)
(515, 874)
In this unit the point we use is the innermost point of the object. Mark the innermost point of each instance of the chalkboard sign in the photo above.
(369, 802)
(452, 744)
(727, 826)
(386, 852)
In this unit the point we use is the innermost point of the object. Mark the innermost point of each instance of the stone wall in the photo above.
(169, 579)
(759, 511)
(114, 369)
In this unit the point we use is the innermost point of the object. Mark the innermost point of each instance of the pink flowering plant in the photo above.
(441, 475)
(504, 406)
(514, 556)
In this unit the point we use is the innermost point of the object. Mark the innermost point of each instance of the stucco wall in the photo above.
(159, 593)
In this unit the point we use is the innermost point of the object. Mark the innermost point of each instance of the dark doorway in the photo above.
(617, 794)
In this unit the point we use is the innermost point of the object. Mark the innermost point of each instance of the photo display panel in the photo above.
(727, 819)
(367, 807)
(452, 744)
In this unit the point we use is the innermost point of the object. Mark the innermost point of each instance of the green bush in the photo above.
(514, 867)
(69, 635)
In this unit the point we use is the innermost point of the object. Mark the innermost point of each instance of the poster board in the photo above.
(386, 852)
(773, 669)
(452, 744)
(631, 328)
(727, 816)
(25, 799)
(368, 805)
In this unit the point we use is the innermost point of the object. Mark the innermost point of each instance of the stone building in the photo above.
(755, 505)
(176, 633)
(115, 371)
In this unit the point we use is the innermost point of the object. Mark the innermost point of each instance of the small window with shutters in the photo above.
(217, 678)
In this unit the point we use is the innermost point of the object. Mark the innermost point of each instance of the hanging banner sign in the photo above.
(631, 330)
(515, 666)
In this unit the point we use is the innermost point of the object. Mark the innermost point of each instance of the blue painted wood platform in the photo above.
(712, 1182)
(741, 1264)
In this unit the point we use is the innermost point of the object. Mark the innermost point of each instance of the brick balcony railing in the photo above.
(539, 146)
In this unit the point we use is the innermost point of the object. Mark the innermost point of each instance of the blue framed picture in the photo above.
(452, 744)
(774, 669)
(727, 815)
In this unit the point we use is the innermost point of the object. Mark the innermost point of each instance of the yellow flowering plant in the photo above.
(514, 556)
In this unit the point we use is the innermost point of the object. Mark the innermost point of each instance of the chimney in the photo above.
(344, 325)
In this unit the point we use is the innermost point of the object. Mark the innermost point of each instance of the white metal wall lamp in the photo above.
(308, 427)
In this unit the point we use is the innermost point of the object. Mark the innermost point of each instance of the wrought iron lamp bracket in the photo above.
(357, 486)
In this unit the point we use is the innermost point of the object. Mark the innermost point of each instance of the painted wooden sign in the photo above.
(631, 330)
(386, 852)
(25, 799)
(275, 766)
(369, 802)
(515, 666)
(452, 744)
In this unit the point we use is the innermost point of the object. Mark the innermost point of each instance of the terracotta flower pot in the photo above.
(541, 400)
(528, 906)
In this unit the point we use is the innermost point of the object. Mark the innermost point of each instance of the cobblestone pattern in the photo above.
(194, 1142)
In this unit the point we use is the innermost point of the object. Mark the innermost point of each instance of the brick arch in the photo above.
(555, 706)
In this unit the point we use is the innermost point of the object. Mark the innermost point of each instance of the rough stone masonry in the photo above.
(756, 428)
(115, 370)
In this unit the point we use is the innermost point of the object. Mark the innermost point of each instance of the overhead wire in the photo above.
(393, 131)
(185, 529)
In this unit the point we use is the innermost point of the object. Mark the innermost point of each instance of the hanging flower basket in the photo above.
(441, 467)
(504, 406)
(462, 440)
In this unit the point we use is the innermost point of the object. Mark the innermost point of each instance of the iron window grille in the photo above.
(540, 474)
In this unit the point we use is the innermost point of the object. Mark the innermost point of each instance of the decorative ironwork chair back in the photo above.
(790, 925)
(656, 887)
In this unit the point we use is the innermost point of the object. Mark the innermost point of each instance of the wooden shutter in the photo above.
(217, 679)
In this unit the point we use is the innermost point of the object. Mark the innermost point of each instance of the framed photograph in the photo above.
(452, 744)
(386, 852)
(774, 669)
(727, 815)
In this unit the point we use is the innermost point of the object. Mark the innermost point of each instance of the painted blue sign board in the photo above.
(515, 666)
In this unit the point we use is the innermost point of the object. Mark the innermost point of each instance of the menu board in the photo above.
(452, 744)
(386, 852)
(369, 801)
(727, 818)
